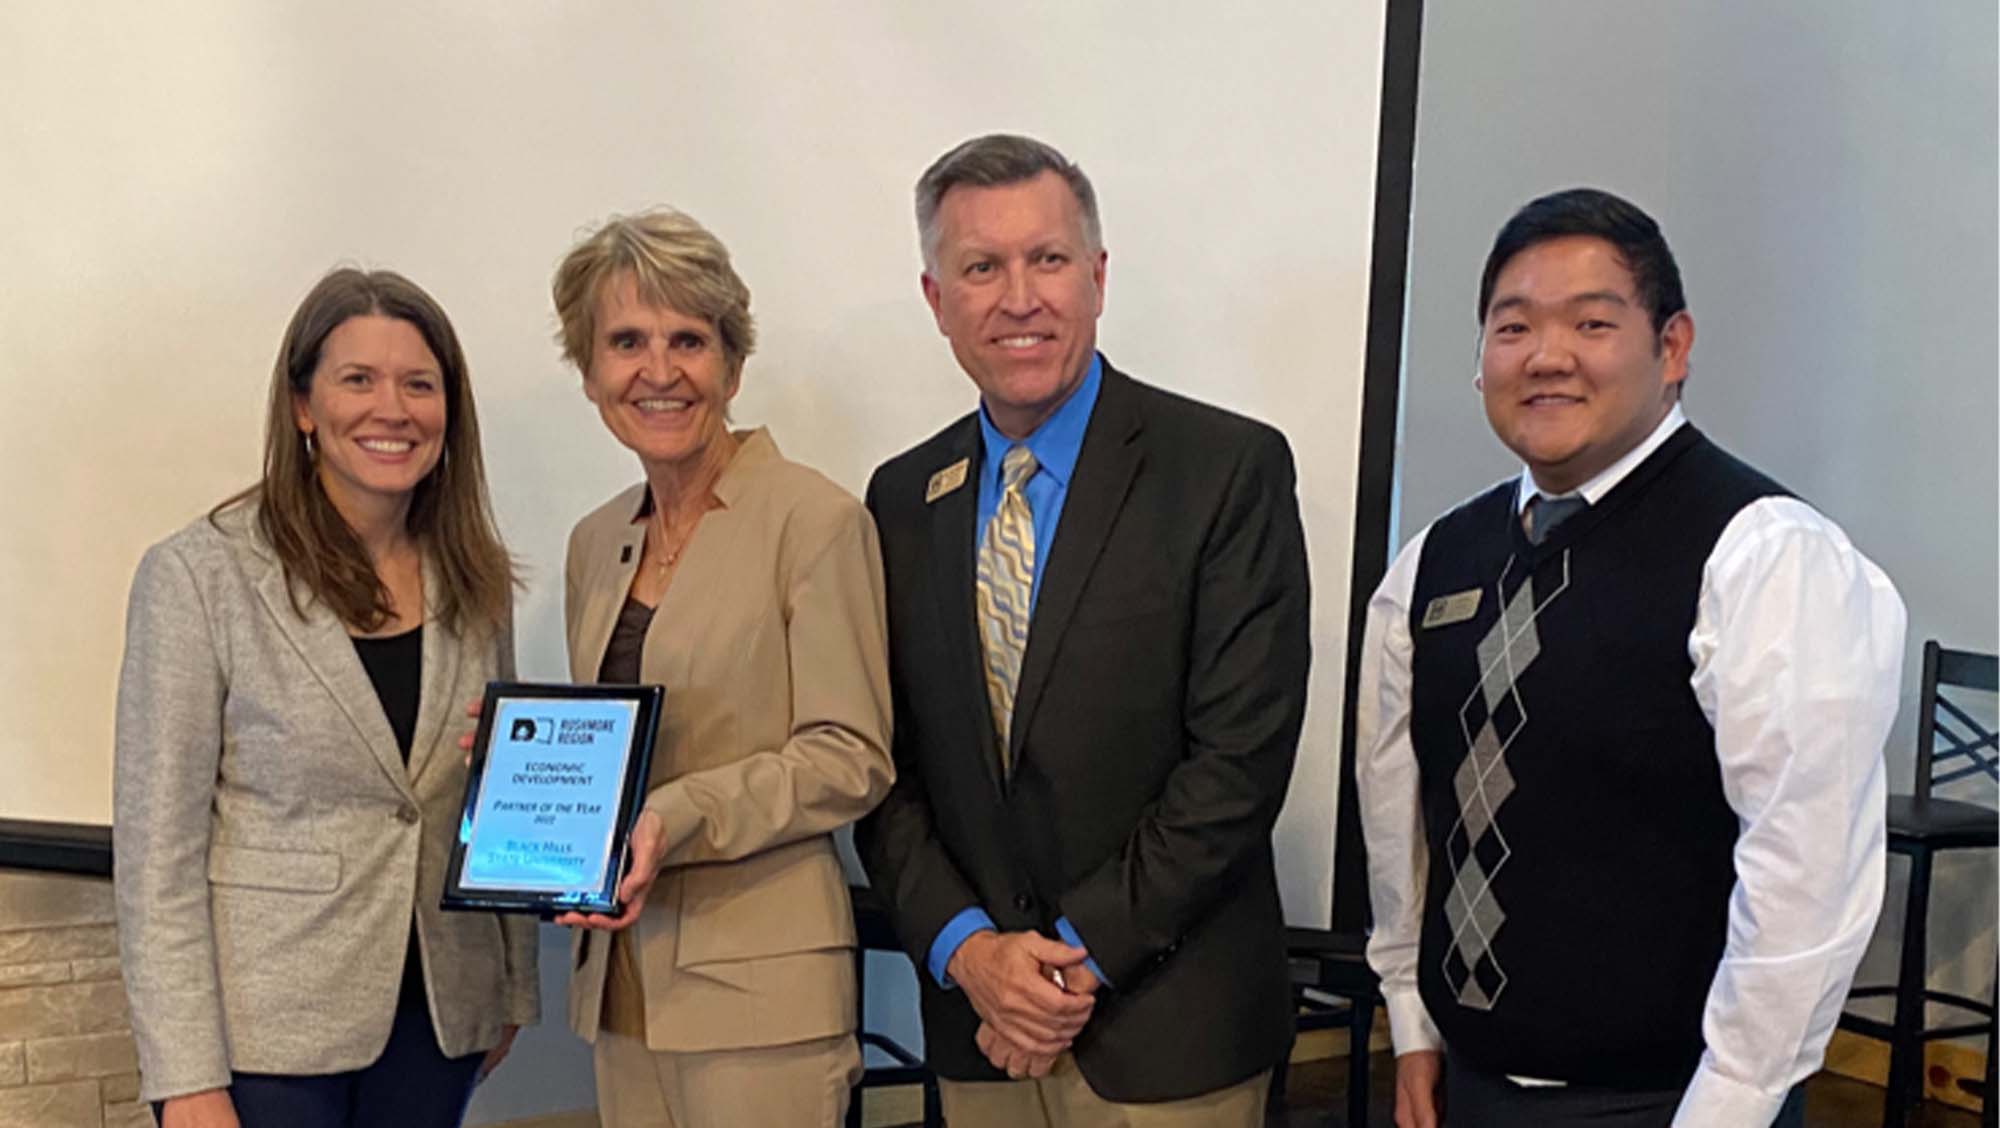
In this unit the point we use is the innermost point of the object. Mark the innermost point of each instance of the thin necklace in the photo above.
(668, 557)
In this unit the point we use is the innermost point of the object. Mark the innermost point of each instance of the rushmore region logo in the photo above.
(532, 730)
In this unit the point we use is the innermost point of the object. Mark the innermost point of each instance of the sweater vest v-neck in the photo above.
(1580, 842)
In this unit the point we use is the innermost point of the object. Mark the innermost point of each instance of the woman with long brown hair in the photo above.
(287, 778)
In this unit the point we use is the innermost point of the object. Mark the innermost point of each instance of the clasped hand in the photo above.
(1033, 996)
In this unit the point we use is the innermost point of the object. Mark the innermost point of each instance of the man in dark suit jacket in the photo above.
(1098, 638)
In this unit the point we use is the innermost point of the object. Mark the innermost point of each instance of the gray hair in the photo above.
(992, 161)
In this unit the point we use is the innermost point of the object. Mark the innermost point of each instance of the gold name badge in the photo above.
(946, 480)
(1448, 609)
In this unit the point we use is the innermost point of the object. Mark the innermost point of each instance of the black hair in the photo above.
(1596, 213)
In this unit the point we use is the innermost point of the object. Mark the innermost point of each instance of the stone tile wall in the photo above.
(66, 1054)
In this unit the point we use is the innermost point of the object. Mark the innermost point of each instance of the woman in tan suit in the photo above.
(287, 783)
(751, 587)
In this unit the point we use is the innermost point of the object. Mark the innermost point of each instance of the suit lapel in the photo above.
(953, 541)
(608, 579)
(323, 643)
(709, 579)
(1104, 470)
(435, 703)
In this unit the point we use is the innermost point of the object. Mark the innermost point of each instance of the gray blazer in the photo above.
(270, 843)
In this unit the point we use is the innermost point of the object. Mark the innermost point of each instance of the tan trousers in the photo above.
(798, 1086)
(1064, 1100)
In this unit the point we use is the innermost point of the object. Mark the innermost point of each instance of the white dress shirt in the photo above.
(1797, 648)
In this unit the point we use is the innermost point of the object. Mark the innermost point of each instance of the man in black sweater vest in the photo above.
(1621, 723)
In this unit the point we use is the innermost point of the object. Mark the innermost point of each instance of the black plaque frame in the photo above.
(602, 898)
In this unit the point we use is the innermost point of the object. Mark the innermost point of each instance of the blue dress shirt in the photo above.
(1055, 444)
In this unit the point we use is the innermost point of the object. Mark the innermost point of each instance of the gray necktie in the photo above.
(1545, 513)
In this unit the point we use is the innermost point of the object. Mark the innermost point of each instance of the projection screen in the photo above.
(177, 176)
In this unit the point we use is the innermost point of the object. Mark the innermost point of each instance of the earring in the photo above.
(312, 447)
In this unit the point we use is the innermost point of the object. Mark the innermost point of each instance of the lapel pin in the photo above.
(946, 480)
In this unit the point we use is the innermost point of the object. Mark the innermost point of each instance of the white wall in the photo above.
(177, 175)
(1825, 173)
(180, 174)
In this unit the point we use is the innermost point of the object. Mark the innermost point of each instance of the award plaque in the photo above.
(557, 776)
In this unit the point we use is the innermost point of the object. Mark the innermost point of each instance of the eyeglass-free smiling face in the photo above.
(1017, 289)
(661, 379)
(1572, 372)
(376, 412)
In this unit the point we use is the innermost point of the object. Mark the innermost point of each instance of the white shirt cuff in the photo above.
(1410, 1026)
(1715, 1101)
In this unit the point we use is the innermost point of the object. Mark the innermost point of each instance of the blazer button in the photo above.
(1024, 903)
(407, 814)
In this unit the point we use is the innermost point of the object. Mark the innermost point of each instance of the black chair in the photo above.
(874, 933)
(1333, 963)
(1952, 745)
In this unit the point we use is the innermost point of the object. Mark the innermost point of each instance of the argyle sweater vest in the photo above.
(1579, 875)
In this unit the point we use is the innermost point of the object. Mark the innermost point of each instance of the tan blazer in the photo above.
(270, 843)
(775, 734)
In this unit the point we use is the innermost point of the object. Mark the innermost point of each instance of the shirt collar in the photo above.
(1595, 489)
(1057, 442)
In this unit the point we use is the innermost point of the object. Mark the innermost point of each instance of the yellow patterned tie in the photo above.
(1006, 578)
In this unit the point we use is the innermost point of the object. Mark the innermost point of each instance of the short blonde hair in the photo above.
(675, 262)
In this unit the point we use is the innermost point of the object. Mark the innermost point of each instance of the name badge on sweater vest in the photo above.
(1448, 609)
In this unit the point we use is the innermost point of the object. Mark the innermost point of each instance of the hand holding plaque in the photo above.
(643, 852)
(556, 779)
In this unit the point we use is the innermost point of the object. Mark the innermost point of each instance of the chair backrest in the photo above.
(1953, 742)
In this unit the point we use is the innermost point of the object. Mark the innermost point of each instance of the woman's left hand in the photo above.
(497, 1054)
(645, 849)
